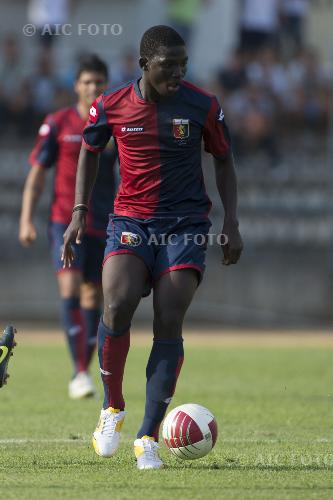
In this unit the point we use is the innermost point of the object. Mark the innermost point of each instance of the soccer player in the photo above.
(58, 145)
(161, 210)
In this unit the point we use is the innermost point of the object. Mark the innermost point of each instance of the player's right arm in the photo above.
(85, 179)
(42, 157)
(96, 135)
(33, 188)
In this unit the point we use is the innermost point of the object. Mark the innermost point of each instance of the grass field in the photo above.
(273, 401)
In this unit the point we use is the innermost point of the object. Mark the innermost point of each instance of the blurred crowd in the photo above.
(27, 95)
(269, 99)
(273, 86)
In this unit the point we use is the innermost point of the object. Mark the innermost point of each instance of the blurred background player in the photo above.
(58, 145)
(159, 122)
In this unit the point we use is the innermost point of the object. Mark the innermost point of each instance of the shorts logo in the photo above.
(93, 113)
(132, 129)
(130, 239)
(180, 128)
(44, 130)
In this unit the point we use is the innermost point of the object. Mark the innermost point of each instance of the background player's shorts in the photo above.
(164, 244)
(88, 255)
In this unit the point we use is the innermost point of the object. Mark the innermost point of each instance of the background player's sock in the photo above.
(91, 318)
(112, 352)
(75, 331)
(164, 365)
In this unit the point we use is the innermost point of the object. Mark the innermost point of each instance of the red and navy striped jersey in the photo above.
(58, 144)
(159, 147)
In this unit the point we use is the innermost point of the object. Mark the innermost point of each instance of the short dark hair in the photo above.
(159, 36)
(93, 63)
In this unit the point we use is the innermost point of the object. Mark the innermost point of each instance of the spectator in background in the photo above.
(233, 76)
(45, 15)
(293, 18)
(44, 85)
(309, 104)
(268, 72)
(182, 15)
(252, 116)
(15, 95)
(259, 24)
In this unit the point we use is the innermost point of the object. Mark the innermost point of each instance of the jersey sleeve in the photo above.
(97, 131)
(45, 151)
(216, 134)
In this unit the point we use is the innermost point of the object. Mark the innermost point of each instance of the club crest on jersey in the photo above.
(93, 113)
(130, 239)
(180, 128)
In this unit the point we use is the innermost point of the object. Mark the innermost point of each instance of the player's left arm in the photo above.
(217, 142)
(226, 183)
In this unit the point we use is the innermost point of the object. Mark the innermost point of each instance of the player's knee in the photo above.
(91, 296)
(69, 284)
(117, 313)
(168, 324)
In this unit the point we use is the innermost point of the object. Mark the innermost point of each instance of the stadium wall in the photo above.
(285, 276)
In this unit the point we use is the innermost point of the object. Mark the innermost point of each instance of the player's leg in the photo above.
(124, 280)
(173, 294)
(91, 289)
(69, 284)
(91, 308)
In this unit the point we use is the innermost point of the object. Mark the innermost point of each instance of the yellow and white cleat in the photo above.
(146, 452)
(107, 434)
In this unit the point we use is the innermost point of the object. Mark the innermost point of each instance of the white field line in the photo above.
(128, 440)
(41, 441)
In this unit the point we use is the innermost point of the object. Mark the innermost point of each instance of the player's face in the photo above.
(166, 69)
(89, 86)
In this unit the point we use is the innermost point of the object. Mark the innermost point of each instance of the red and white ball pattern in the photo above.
(190, 431)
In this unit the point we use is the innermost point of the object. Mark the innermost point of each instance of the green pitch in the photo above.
(274, 407)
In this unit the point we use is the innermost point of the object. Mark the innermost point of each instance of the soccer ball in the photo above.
(190, 431)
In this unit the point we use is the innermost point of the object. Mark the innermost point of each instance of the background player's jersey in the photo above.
(159, 148)
(58, 144)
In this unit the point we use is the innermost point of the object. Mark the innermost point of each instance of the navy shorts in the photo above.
(164, 244)
(88, 256)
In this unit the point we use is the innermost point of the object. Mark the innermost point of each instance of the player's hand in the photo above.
(27, 233)
(234, 245)
(74, 233)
